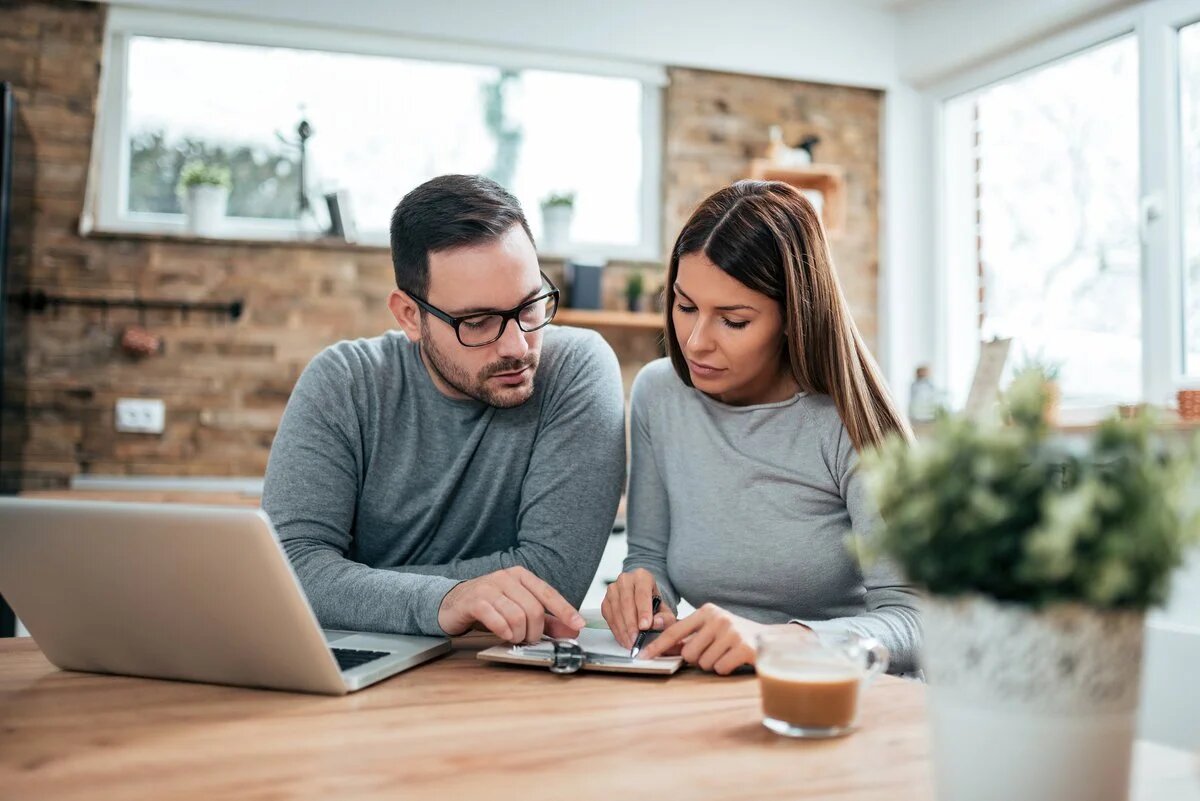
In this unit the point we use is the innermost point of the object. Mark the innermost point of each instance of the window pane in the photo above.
(1189, 118)
(381, 126)
(1058, 187)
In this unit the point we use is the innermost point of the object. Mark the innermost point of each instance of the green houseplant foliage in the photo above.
(635, 284)
(1049, 370)
(197, 173)
(1005, 509)
(555, 199)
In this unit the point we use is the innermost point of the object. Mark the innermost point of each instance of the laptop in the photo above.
(168, 591)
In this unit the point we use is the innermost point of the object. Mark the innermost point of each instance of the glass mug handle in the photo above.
(877, 657)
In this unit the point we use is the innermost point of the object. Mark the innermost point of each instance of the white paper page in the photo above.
(594, 641)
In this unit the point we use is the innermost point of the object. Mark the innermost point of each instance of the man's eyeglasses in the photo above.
(483, 328)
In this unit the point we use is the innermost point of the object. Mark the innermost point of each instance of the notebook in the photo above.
(601, 652)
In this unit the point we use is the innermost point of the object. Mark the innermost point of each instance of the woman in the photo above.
(744, 498)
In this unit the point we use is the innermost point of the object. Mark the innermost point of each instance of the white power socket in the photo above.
(141, 415)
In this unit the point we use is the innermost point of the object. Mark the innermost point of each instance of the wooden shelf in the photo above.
(604, 318)
(828, 179)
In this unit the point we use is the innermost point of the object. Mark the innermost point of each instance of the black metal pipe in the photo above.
(38, 300)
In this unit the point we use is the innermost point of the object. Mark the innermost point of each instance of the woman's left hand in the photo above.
(711, 638)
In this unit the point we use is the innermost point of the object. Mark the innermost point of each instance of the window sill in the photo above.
(1084, 421)
(319, 243)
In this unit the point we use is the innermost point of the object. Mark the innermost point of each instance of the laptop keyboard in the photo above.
(350, 658)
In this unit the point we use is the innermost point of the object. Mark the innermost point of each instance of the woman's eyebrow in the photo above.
(679, 289)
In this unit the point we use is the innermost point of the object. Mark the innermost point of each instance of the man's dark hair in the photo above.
(447, 212)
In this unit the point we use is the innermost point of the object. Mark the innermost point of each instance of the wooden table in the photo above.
(455, 728)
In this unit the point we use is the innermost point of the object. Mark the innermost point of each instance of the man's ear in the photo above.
(407, 314)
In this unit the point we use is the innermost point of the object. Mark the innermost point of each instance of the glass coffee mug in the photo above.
(811, 683)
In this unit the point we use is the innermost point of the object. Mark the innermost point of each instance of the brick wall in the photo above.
(225, 383)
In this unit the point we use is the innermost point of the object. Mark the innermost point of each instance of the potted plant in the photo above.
(558, 209)
(1048, 371)
(635, 285)
(1040, 561)
(205, 190)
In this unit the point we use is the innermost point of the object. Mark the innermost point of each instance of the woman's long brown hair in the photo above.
(768, 236)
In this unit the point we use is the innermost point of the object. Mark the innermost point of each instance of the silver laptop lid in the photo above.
(197, 593)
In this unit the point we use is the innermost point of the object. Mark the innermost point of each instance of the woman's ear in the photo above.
(407, 314)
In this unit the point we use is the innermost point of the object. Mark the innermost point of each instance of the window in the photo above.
(1069, 207)
(1053, 180)
(381, 124)
(1189, 119)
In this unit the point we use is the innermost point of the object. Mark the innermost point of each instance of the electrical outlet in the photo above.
(140, 415)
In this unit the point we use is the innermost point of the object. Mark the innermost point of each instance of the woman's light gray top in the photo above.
(755, 509)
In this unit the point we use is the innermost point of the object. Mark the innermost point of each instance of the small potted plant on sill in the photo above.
(205, 190)
(635, 285)
(558, 210)
(1048, 372)
(1039, 563)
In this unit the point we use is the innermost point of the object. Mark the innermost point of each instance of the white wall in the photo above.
(939, 38)
(907, 293)
(819, 40)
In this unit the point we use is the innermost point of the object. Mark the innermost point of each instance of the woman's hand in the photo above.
(628, 603)
(711, 638)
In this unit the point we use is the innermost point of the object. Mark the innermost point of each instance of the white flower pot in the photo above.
(205, 207)
(1031, 705)
(556, 227)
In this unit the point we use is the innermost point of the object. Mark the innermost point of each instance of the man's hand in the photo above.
(512, 604)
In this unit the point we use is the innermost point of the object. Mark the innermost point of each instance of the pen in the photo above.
(641, 638)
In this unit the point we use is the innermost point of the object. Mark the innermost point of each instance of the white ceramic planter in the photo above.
(205, 208)
(1031, 705)
(556, 227)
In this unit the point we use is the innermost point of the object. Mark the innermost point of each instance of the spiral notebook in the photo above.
(600, 652)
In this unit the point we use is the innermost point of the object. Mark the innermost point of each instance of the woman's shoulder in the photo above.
(820, 407)
(831, 434)
(657, 379)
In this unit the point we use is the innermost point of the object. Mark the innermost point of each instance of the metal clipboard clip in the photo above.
(568, 656)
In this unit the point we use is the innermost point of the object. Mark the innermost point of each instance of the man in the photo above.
(465, 470)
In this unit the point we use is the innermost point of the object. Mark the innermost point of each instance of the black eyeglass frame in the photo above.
(512, 314)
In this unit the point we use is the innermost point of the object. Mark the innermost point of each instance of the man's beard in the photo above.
(479, 387)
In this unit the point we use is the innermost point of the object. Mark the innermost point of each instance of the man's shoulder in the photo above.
(365, 354)
(352, 365)
(570, 341)
(576, 352)
(578, 366)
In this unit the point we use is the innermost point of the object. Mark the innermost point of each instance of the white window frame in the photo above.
(1155, 25)
(108, 184)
